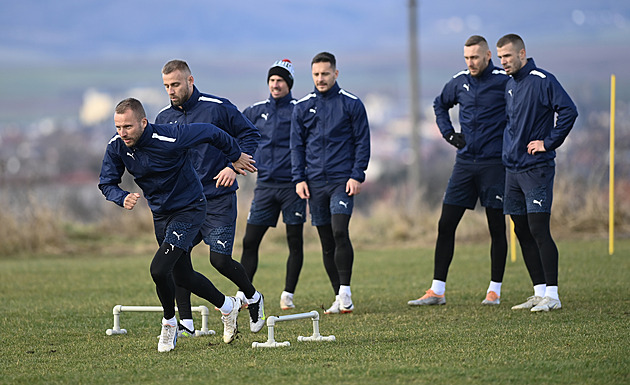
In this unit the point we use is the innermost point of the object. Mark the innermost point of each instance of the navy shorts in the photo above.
(470, 182)
(219, 226)
(529, 191)
(270, 201)
(328, 199)
(180, 228)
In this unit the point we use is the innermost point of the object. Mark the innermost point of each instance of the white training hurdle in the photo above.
(272, 320)
(205, 313)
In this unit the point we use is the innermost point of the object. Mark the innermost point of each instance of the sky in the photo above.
(55, 52)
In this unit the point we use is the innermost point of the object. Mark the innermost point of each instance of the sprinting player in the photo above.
(478, 173)
(274, 191)
(534, 99)
(218, 177)
(156, 156)
(330, 151)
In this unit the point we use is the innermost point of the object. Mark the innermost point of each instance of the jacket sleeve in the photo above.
(361, 134)
(567, 114)
(242, 129)
(441, 105)
(196, 133)
(298, 147)
(112, 170)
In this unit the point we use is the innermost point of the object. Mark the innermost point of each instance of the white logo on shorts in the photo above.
(224, 244)
(344, 204)
(539, 203)
(179, 236)
(499, 198)
(297, 214)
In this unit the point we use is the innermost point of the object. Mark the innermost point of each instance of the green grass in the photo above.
(54, 312)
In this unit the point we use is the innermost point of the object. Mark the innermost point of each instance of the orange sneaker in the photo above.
(430, 298)
(491, 299)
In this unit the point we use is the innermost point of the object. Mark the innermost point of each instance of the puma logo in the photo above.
(298, 214)
(179, 236)
(539, 203)
(344, 204)
(224, 244)
(131, 155)
(313, 110)
(510, 92)
(467, 87)
(265, 116)
(499, 198)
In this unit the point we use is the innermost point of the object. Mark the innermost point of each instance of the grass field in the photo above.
(55, 311)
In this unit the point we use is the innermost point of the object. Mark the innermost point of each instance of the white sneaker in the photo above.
(334, 309)
(230, 327)
(168, 338)
(286, 301)
(257, 315)
(547, 304)
(240, 295)
(530, 303)
(345, 303)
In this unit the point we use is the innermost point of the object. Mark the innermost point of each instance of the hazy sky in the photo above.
(59, 48)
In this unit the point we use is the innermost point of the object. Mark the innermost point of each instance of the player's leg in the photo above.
(490, 182)
(539, 200)
(218, 232)
(251, 243)
(293, 215)
(498, 254)
(341, 207)
(461, 193)
(263, 213)
(175, 234)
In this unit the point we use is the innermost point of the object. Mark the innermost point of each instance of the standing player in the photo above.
(330, 150)
(478, 172)
(156, 157)
(274, 191)
(217, 175)
(533, 97)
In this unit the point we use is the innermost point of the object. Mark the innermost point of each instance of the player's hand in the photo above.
(456, 139)
(302, 190)
(225, 178)
(536, 146)
(245, 163)
(353, 187)
(130, 200)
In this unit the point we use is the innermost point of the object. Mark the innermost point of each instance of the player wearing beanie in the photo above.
(274, 191)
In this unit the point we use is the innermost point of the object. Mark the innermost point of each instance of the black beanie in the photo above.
(284, 69)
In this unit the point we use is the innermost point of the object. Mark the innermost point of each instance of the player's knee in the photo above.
(221, 262)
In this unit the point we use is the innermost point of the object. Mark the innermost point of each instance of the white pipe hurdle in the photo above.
(271, 322)
(120, 308)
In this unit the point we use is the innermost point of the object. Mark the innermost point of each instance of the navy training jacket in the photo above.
(273, 157)
(330, 137)
(160, 165)
(482, 116)
(207, 159)
(533, 97)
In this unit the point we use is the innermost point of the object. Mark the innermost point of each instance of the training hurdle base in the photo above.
(205, 313)
(271, 323)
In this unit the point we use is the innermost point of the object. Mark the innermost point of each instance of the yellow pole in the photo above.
(512, 241)
(611, 178)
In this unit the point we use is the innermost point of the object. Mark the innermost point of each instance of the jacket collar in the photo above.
(525, 70)
(191, 102)
(334, 90)
(146, 135)
(286, 99)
